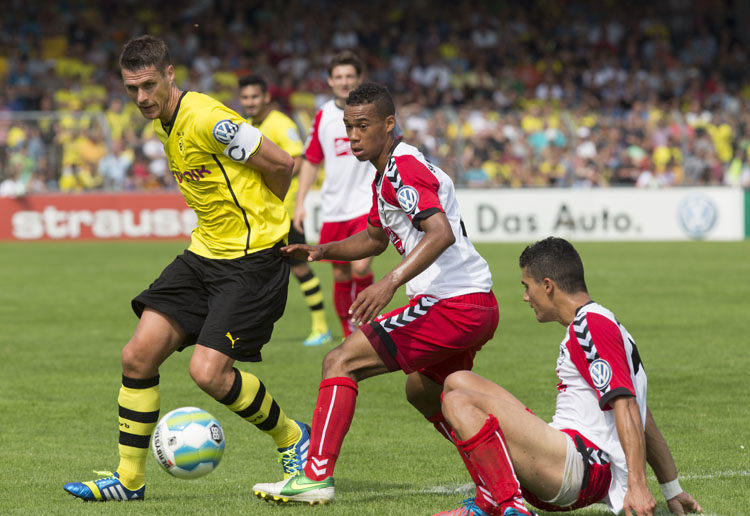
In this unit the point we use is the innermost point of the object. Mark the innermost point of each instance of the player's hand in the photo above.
(305, 252)
(299, 218)
(639, 502)
(371, 301)
(683, 503)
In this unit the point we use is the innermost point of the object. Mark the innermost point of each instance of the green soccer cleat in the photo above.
(104, 489)
(298, 488)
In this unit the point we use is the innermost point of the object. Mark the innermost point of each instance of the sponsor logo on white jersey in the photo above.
(601, 373)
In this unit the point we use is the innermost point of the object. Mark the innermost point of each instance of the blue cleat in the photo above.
(104, 489)
(293, 458)
(468, 508)
(318, 339)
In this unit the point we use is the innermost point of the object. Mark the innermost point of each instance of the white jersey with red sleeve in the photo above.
(598, 362)
(345, 194)
(406, 193)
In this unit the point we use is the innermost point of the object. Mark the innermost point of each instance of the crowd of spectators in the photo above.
(580, 93)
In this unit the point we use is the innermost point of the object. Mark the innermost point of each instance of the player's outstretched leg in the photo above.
(333, 414)
(139, 412)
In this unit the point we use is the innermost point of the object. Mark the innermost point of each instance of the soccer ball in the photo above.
(188, 442)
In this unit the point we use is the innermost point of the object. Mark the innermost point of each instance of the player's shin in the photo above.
(249, 399)
(442, 426)
(488, 453)
(333, 415)
(138, 414)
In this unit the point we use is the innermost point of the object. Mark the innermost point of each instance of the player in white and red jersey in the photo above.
(602, 431)
(345, 193)
(451, 313)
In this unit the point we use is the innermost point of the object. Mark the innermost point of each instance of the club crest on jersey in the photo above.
(407, 197)
(224, 131)
(601, 373)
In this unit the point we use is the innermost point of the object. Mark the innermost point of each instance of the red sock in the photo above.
(442, 426)
(333, 414)
(342, 299)
(488, 453)
(361, 283)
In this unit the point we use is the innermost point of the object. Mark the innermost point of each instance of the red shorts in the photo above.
(596, 478)
(434, 336)
(333, 231)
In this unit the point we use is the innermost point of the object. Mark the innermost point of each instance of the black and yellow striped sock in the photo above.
(310, 285)
(249, 399)
(139, 412)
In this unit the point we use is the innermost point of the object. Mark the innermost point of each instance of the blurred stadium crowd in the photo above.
(578, 93)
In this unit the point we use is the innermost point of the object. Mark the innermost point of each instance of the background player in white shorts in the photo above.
(602, 432)
(345, 193)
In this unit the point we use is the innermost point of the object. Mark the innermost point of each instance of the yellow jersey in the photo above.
(282, 131)
(207, 144)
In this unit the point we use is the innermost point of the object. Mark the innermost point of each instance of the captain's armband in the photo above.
(242, 141)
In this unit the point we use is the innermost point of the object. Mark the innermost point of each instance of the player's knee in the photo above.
(453, 402)
(135, 363)
(334, 363)
(455, 381)
(205, 377)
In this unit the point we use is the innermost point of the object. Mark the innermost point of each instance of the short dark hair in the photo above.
(254, 80)
(373, 93)
(556, 259)
(347, 57)
(145, 51)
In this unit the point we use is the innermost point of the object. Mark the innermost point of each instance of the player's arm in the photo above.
(438, 237)
(638, 499)
(275, 165)
(659, 457)
(369, 242)
(307, 174)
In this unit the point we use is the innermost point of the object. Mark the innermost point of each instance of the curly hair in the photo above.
(373, 93)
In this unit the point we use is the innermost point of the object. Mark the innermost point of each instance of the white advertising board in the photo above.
(605, 214)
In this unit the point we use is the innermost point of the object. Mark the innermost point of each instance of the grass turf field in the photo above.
(65, 314)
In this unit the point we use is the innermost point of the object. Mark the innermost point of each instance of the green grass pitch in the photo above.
(65, 315)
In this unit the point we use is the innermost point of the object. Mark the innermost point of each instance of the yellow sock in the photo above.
(138, 414)
(310, 285)
(249, 399)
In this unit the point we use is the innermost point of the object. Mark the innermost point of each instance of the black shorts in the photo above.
(227, 305)
(295, 237)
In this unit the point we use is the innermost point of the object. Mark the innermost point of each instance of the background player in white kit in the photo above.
(345, 193)
(451, 313)
(602, 431)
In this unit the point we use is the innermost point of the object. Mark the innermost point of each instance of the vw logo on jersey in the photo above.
(224, 131)
(601, 373)
(407, 197)
(697, 214)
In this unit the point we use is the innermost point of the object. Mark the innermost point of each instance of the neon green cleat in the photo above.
(298, 488)
(318, 339)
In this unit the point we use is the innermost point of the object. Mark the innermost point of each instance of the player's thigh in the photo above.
(423, 393)
(480, 388)
(355, 357)
(156, 337)
(246, 298)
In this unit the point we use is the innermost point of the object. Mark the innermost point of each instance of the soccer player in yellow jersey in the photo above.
(279, 128)
(224, 293)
